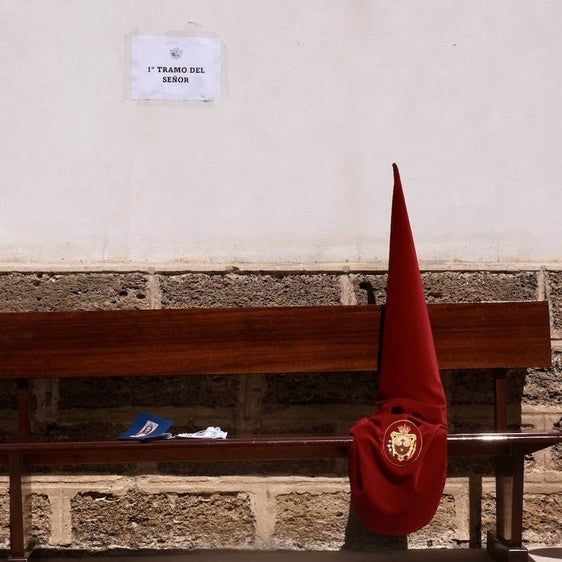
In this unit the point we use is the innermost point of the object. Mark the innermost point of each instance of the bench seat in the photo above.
(253, 448)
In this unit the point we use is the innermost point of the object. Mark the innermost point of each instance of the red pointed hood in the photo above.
(408, 368)
(398, 458)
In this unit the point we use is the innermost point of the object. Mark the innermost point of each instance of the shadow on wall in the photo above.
(359, 537)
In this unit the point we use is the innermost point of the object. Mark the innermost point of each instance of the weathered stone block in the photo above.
(4, 519)
(311, 520)
(73, 291)
(322, 388)
(554, 292)
(556, 457)
(477, 386)
(8, 410)
(297, 421)
(488, 515)
(233, 290)
(160, 521)
(457, 286)
(99, 428)
(467, 387)
(8, 389)
(312, 467)
(544, 386)
(41, 515)
(441, 532)
(370, 289)
(480, 286)
(467, 466)
(556, 451)
(181, 392)
(541, 518)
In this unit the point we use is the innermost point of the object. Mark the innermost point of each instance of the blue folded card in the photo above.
(147, 426)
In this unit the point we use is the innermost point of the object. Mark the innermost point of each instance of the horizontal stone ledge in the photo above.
(266, 267)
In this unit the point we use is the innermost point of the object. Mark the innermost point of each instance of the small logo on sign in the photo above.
(176, 53)
(402, 443)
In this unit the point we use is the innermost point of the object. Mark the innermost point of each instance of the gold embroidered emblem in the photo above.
(402, 442)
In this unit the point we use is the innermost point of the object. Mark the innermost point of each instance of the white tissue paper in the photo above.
(209, 433)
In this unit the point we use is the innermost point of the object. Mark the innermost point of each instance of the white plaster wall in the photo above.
(293, 164)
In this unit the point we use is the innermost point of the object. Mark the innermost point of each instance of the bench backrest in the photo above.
(33, 345)
(259, 340)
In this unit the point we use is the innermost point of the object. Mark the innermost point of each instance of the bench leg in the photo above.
(19, 515)
(507, 544)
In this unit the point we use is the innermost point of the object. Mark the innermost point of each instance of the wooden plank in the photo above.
(259, 340)
(253, 448)
(492, 335)
(19, 516)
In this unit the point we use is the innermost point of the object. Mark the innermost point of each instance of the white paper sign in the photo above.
(176, 68)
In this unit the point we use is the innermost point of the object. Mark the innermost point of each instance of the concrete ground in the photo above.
(537, 555)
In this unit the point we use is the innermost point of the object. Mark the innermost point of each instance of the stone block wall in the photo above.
(264, 505)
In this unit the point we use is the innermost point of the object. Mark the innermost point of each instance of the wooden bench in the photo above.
(238, 341)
